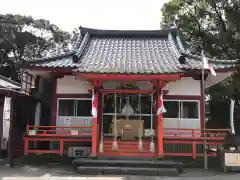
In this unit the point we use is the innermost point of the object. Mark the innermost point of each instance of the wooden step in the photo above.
(127, 151)
(127, 145)
(127, 154)
(127, 142)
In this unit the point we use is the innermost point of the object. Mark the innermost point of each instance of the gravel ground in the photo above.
(42, 173)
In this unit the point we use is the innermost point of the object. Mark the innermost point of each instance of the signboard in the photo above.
(32, 132)
(149, 132)
(6, 122)
(67, 121)
(232, 159)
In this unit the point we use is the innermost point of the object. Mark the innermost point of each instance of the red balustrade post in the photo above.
(61, 149)
(27, 130)
(194, 148)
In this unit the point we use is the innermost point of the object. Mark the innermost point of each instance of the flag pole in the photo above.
(204, 123)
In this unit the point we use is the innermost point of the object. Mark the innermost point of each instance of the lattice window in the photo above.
(27, 82)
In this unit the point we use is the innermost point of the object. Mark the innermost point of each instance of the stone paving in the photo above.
(42, 173)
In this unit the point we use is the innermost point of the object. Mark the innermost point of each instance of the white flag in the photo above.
(161, 109)
(206, 65)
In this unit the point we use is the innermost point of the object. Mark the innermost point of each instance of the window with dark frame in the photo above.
(172, 108)
(65, 107)
(189, 110)
(84, 108)
(181, 109)
(71, 107)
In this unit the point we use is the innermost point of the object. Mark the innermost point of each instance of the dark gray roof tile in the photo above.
(129, 55)
(131, 52)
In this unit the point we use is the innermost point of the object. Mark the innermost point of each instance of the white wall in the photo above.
(186, 86)
(70, 85)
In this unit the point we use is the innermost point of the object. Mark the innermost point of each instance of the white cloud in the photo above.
(104, 14)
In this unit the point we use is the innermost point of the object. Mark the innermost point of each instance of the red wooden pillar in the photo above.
(159, 129)
(95, 130)
(95, 126)
(158, 85)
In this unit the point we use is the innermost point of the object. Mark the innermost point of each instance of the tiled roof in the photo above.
(8, 83)
(132, 52)
(216, 64)
(61, 60)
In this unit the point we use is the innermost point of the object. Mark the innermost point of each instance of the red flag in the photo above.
(94, 105)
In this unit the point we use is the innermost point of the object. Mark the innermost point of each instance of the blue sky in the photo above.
(104, 14)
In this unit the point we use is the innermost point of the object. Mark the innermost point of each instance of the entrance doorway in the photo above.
(127, 118)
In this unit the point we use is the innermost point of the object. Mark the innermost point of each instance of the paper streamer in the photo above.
(6, 122)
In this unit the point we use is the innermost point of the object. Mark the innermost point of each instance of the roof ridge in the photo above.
(81, 48)
(158, 32)
(77, 42)
(214, 61)
(180, 44)
(176, 50)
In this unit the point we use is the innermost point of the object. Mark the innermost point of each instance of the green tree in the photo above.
(22, 37)
(211, 25)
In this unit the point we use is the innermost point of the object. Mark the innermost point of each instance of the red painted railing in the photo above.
(177, 142)
(60, 134)
(188, 133)
(58, 131)
(190, 142)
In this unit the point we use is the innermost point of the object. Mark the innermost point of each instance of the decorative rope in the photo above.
(115, 144)
(152, 145)
(101, 145)
(140, 144)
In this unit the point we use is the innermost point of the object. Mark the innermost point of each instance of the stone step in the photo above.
(130, 163)
(116, 170)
